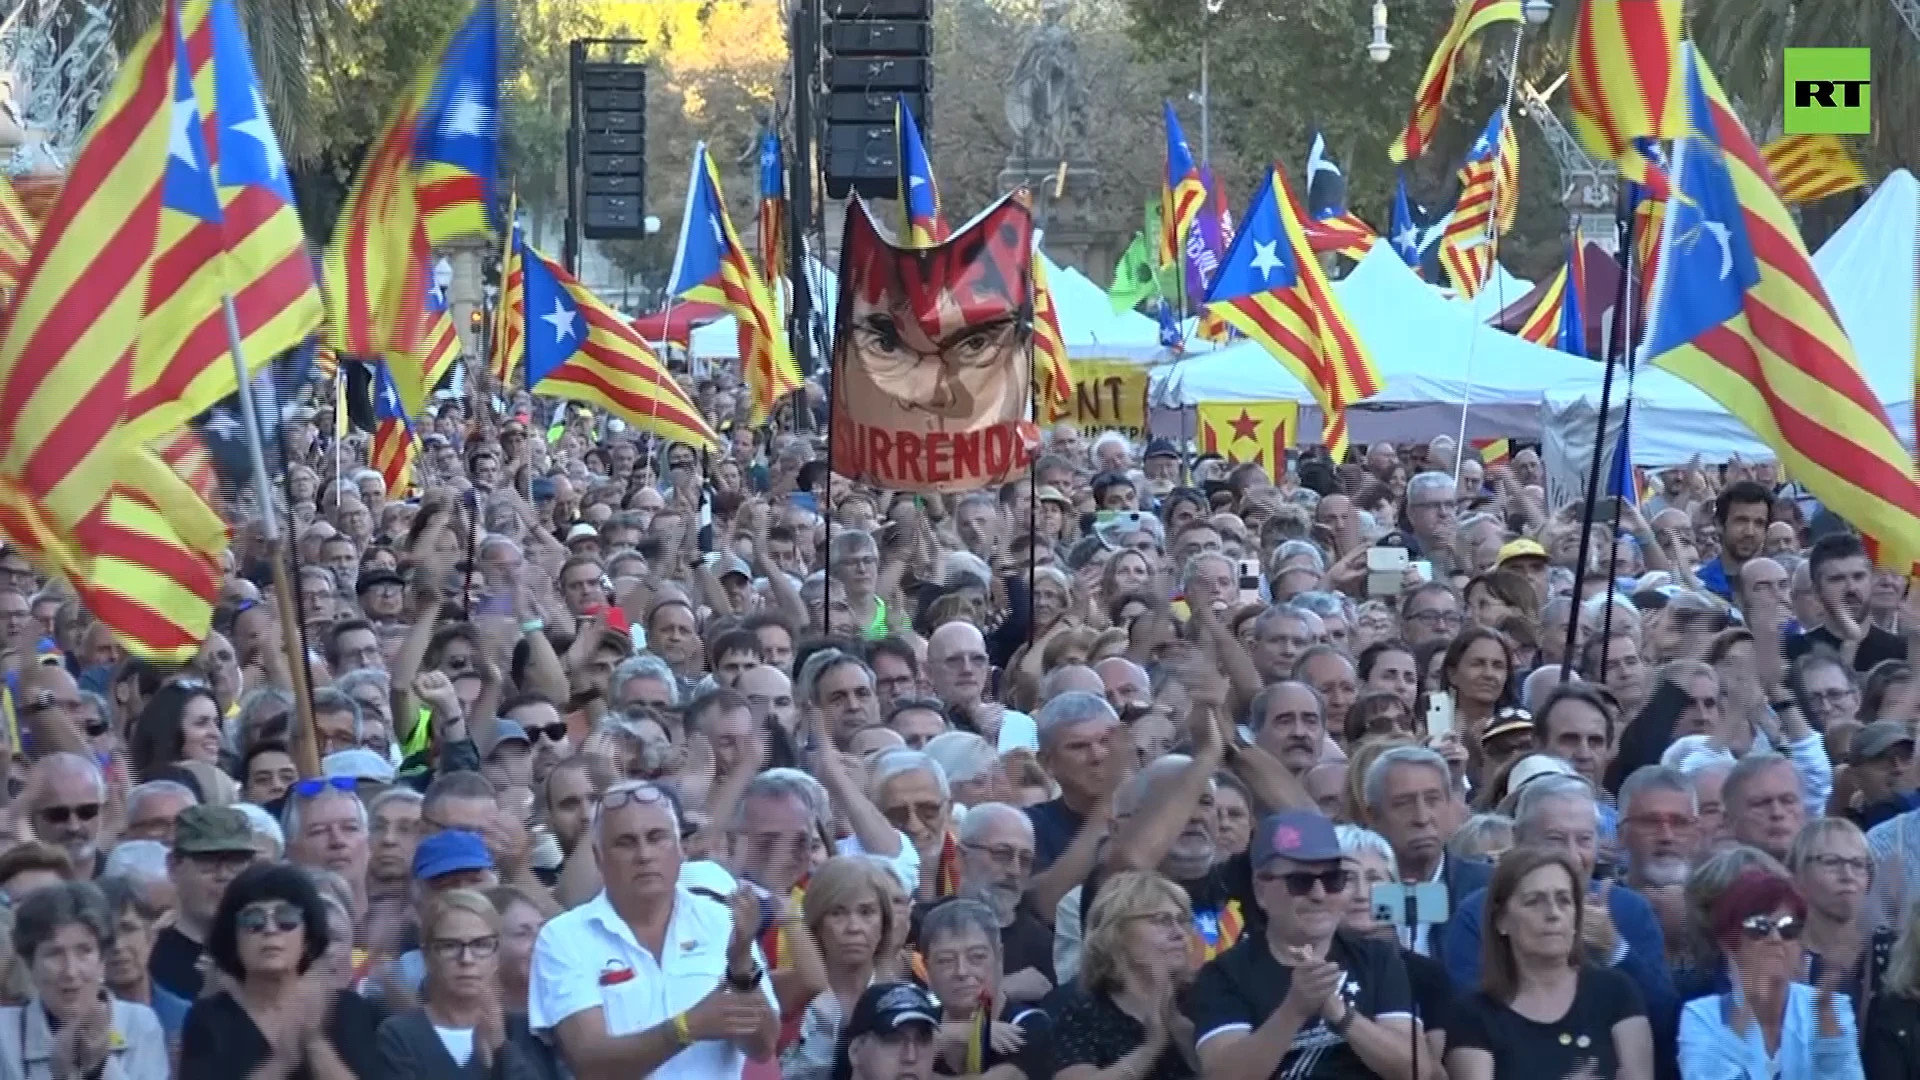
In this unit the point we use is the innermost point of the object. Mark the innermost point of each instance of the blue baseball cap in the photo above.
(450, 852)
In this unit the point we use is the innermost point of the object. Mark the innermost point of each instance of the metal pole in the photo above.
(806, 29)
(1206, 98)
(306, 752)
(576, 58)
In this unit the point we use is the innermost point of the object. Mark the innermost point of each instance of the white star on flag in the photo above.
(719, 234)
(916, 180)
(1266, 258)
(186, 114)
(561, 320)
(1407, 239)
(257, 128)
(468, 115)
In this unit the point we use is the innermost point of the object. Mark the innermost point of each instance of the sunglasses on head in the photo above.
(1761, 927)
(307, 789)
(1301, 882)
(260, 918)
(60, 815)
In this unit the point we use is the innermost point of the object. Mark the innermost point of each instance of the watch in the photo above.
(745, 983)
(1345, 1021)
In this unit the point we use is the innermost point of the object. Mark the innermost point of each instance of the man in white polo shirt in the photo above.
(649, 978)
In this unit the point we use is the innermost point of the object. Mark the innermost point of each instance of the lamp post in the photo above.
(1379, 49)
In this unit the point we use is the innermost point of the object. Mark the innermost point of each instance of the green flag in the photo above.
(1133, 276)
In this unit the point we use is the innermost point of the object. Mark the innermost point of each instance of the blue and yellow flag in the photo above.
(394, 443)
(1182, 194)
(919, 195)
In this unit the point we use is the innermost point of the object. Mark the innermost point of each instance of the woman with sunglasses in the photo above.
(180, 723)
(1769, 1024)
(70, 1026)
(273, 1014)
(461, 1029)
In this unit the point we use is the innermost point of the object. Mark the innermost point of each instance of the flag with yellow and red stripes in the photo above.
(1469, 18)
(1622, 81)
(18, 231)
(1810, 167)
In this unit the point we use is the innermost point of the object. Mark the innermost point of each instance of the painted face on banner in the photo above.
(934, 354)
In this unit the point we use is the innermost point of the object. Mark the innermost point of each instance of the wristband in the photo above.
(533, 626)
(681, 1032)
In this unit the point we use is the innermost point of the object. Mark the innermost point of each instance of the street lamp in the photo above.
(1379, 49)
(1538, 11)
(651, 224)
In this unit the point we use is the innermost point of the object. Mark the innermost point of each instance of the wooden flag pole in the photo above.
(306, 746)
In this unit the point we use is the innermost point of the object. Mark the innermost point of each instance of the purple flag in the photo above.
(1206, 242)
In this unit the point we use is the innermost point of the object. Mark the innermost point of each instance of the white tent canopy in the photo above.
(1432, 354)
(1867, 267)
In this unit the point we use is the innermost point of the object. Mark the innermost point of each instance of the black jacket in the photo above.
(411, 1050)
(1890, 1042)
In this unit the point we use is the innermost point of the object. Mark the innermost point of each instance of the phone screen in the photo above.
(1439, 715)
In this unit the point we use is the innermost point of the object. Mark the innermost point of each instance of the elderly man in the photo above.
(1660, 833)
(1331, 674)
(64, 798)
(1620, 929)
(912, 794)
(854, 561)
(1433, 507)
(326, 828)
(1407, 792)
(996, 861)
(211, 845)
(770, 694)
(153, 808)
(840, 685)
(958, 666)
(1765, 803)
(1281, 635)
(701, 1003)
(1125, 684)
(1289, 722)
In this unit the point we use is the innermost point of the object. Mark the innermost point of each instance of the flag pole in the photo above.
(306, 754)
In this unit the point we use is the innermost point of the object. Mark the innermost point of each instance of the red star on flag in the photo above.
(1246, 427)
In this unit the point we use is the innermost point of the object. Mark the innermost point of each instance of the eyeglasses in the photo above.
(1161, 920)
(45, 700)
(1761, 927)
(307, 789)
(643, 793)
(900, 817)
(1861, 866)
(1662, 822)
(1435, 618)
(1004, 856)
(1301, 882)
(98, 726)
(1832, 697)
(449, 949)
(269, 918)
(60, 815)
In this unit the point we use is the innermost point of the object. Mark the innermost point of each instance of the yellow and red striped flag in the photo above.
(1182, 195)
(1469, 18)
(1485, 209)
(1052, 371)
(1810, 167)
(1739, 313)
(1542, 324)
(711, 264)
(1493, 451)
(18, 231)
(509, 328)
(1622, 80)
(1248, 431)
(394, 443)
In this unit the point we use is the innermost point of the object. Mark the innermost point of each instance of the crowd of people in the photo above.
(640, 760)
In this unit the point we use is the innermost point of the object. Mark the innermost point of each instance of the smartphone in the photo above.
(1386, 570)
(1424, 904)
(1249, 581)
(1439, 715)
(1424, 568)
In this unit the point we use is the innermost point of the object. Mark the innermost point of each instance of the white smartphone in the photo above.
(1386, 567)
(1439, 714)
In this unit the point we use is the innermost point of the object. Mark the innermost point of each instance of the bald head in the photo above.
(1071, 677)
(954, 637)
(1124, 682)
(1763, 581)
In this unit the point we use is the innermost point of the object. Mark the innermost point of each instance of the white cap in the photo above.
(582, 531)
(1533, 767)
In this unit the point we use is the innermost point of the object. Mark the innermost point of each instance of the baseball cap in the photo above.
(582, 531)
(1522, 548)
(506, 731)
(378, 577)
(1508, 721)
(1533, 767)
(212, 830)
(885, 1008)
(1877, 738)
(732, 564)
(360, 764)
(1161, 448)
(1300, 835)
(450, 852)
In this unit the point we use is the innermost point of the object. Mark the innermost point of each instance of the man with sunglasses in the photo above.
(211, 845)
(1306, 999)
(64, 797)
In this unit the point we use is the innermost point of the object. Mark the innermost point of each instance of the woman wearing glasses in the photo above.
(273, 1015)
(462, 1029)
(70, 1026)
(1769, 1025)
(1542, 1011)
(1122, 1019)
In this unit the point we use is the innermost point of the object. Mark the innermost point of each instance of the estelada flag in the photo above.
(932, 355)
(1256, 432)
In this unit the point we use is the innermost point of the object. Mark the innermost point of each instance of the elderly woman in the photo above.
(850, 914)
(1831, 868)
(461, 1028)
(1542, 1011)
(981, 1033)
(1769, 1025)
(270, 929)
(1368, 860)
(70, 1026)
(1123, 1019)
(520, 923)
(971, 764)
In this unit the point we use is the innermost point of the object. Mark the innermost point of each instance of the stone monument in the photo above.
(1046, 107)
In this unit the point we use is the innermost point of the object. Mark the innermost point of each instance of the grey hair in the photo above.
(957, 916)
(62, 760)
(1540, 682)
(1560, 788)
(41, 914)
(786, 784)
(962, 755)
(980, 818)
(263, 824)
(1056, 575)
(1325, 604)
(1301, 549)
(644, 666)
(1071, 709)
(141, 861)
(1109, 437)
(959, 568)
(807, 680)
(154, 789)
(1733, 788)
(290, 815)
(1557, 609)
(333, 888)
(850, 542)
(895, 763)
(1814, 833)
(1140, 785)
(359, 677)
(327, 699)
(1431, 481)
(396, 794)
(1050, 682)
(1373, 787)
(668, 800)
(1476, 831)
(1284, 612)
(1656, 778)
(1354, 840)
(1192, 570)
(1257, 708)
(494, 540)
